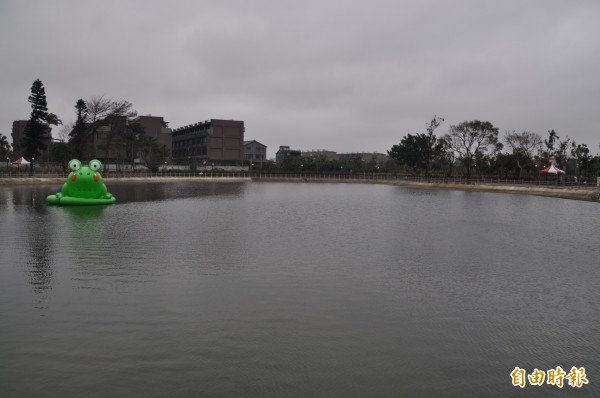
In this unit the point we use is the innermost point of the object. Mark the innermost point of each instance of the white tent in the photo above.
(551, 170)
(20, 161)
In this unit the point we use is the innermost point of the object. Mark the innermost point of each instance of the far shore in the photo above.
(590, 194)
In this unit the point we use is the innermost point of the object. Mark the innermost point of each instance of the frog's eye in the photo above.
(74, 165)
(95, 165)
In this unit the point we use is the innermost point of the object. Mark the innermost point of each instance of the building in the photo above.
(18, 132)
(255, 153)
(284, 153)
(113, 143)
(377, 159)
(215, 142)
(107, 142)
(320, 154)
(154, 126)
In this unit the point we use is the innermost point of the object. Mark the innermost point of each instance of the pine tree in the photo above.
(37, 128)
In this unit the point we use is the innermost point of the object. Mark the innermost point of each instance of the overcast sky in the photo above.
(346, 76)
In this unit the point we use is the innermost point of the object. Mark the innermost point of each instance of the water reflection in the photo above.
(26, 197)
(154, 191)
(84, 213)
(39, 235)
(83, 230)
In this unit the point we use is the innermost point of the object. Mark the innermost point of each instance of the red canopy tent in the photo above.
(551, 170)
(20, 161)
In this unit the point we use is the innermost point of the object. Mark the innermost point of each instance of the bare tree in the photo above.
(98, 108)
(117, 123)
(523, 145)
(64, 131)
(107, 116)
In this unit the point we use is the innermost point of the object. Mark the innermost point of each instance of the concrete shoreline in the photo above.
(61, 180)
(563, 193)
(589, 194)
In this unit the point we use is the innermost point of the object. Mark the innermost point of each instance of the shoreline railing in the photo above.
(331, 176)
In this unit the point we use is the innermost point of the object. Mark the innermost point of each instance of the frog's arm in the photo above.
(63, 191)
(104, 192)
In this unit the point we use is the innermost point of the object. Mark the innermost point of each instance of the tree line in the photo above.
(470, 149)
(321, 164)
(104, 129)
(475, 149)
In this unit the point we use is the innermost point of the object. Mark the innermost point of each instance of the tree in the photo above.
(151, 153)
(524, 146)
(64, 131)
(582, 153)
(53, 119)
(549, 146)
(5, 148)
(435, 122)
(554, 148)
(97, 108)
(35, 131)
(471, 138)
(419, 151)
(131, 138)
(415, 151)
(447, 156)
(38, 129)
(504, 165)
(62, 153)
(106, 118)
(117, 126)
(79, 133)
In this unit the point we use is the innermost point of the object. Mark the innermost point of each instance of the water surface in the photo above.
(273, 289)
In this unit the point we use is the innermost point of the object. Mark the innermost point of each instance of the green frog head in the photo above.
(84, 181)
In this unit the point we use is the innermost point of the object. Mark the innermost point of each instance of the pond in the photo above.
(296, 290)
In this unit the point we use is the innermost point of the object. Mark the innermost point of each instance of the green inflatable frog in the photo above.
(84, 186)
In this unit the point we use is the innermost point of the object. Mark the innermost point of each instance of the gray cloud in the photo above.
(346, 76)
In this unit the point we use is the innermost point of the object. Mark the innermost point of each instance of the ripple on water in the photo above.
(294, 290)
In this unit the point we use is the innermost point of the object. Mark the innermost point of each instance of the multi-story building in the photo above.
(320, 154)
(215, 142)
(106, 143)
(284, 153)
(18, 132)
(110, 142)
(255, 153)
(365, 157)
(154, 126)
